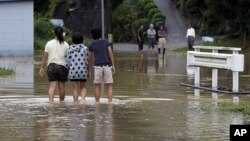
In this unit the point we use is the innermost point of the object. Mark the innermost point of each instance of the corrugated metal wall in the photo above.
(16, 28)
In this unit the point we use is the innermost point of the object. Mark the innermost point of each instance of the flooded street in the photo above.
(148, 105)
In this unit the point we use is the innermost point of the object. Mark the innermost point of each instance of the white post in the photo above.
(235, 52)
(197, 73)
(215, 99)
(235, 81)
(197, 76)
(102, 13)
(214, 79)
(215, 76)
(197, 50)
(236, 99)
(197, 93)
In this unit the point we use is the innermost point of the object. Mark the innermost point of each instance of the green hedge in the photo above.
(6, 72)
(147, 1)
(128, 16)
(150, 6)
(158, 16)
(153, 11)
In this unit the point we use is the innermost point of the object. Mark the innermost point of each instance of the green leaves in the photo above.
(128, 16)
(6, 72)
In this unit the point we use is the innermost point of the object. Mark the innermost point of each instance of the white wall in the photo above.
(16, 28)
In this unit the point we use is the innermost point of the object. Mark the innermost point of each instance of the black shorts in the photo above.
(80, 80)
(57, 72)
(140, 45)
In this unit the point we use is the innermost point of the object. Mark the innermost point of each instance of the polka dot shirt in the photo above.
(77, 61)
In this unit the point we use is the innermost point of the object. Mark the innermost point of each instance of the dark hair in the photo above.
(96, 33)
(59, 34)
(77, 38)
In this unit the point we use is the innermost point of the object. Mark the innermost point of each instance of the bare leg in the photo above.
(61, 90)
(51, 91)
(110, 91)
(75, 90)
(83, 90)
(97, 92)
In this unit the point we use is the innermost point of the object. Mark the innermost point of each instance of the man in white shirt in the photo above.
(151, 37)
(190, 37)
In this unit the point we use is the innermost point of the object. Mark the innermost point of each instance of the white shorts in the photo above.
(103, 75)
(162, 43)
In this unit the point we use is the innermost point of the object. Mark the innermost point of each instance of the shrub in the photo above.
(150, 6)
(144, 21)
(6, 72)
(159, 16)
(117, 34)
(147, 1)
(128, 16)
(43, 31)
(43, 28)
(39, 43)
(162, 20)
(153, 11)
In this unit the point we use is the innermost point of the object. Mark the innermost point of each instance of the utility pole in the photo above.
(109, 21)
(103, 21)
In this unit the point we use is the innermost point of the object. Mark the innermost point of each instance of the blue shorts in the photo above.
(151, 42)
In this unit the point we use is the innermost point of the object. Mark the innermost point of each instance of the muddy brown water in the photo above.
(148, 104)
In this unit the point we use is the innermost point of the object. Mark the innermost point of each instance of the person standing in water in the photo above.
(77, 61)
(55, 56)
(104, 66)
(140, 34)
(162, 43)
(190, 37)
(151, 33)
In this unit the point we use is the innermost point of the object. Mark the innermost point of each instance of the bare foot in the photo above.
(82, 101)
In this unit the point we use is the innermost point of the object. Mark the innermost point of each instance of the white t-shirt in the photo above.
(151, 33)
(56, 52)
(190, 32)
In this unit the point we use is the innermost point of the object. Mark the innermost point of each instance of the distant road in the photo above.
(176, 28)
(176, 24)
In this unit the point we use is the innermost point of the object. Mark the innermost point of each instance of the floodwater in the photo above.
(148, 105)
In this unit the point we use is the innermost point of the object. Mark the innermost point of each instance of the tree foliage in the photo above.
(130, 14)
(219, 17)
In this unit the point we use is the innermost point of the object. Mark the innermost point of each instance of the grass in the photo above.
(242, 107)
(228, 43)
(223, 42)
(6, 72)
(181, 49)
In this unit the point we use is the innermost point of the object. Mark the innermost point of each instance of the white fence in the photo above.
(215, 60)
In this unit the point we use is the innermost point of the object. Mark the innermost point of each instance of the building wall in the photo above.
(16, 28)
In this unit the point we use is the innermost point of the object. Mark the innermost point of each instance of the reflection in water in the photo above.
(103, 123)
(151, 64)
(197, 93)
(161, 64)
(214, 99)
(210, 122)
(236, 99)
(77, 122)
(190, 72)
(22, 82)
(141, 109)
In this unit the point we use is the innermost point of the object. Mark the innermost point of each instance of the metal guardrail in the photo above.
(231, 61)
